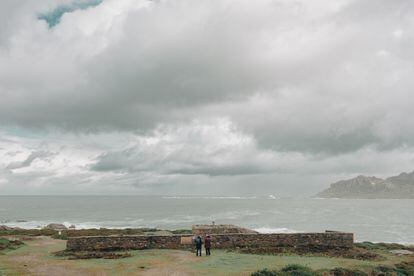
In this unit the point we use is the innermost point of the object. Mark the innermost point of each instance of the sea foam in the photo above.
(267, 230)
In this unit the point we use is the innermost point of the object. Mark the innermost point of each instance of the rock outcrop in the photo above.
(6, 228)
(56, 226)
(398, 187)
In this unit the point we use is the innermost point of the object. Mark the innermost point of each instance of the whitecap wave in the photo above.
(268, 230)
(78, 225)
(209, 197)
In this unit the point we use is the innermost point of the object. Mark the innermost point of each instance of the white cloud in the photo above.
(211, 153)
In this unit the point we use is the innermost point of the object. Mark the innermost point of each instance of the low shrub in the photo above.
(71, 255)
(298, 270)
(76, 233)
(381, 246)
(181, 231)
(401, 269)
(340, 271)
(289, 270)
(9, 244)
(266, 272)
(405, 268)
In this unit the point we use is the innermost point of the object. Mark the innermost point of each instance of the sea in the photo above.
(375, 220)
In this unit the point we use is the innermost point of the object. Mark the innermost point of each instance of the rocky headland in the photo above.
(395, 187)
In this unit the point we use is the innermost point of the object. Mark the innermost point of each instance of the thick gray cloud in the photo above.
(335, 76)
(164, 91)
(211, 148)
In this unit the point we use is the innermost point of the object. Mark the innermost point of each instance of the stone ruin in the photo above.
(215, 229)
(228, 237)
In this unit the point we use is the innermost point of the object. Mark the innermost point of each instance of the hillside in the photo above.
(398, 187)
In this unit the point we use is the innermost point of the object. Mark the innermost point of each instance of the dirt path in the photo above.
(177, 258)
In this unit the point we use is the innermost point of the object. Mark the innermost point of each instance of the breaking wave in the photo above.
(267, 230)
(209, 197)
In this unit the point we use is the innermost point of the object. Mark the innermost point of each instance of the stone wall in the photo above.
(320, 241)
(125, 242)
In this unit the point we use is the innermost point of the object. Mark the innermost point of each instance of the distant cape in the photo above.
(398, 187)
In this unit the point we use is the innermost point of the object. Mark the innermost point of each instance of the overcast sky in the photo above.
(223, 97)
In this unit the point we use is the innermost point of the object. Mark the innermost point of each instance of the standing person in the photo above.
(198, 244)
(207, 244)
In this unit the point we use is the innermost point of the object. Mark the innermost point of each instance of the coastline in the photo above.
(42, 252)
(96, 228)
(394, 223)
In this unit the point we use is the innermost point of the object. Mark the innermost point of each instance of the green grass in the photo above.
(220, 262)
(402, 269)
(227, 262)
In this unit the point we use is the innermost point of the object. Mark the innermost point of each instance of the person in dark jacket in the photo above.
(198, 244)
(207, 244)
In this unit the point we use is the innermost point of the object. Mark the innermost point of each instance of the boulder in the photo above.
(56, 226)
(5, 227)
(401, 252)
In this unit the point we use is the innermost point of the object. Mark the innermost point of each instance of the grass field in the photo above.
(36, 258)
